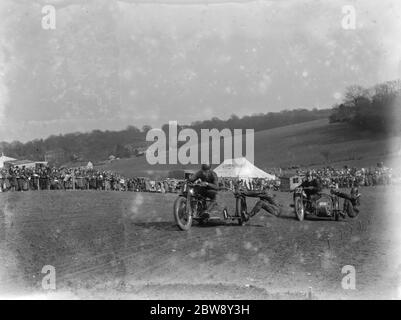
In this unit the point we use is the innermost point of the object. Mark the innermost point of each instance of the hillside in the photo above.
(314, 143)
(318, 143)
(97, 146)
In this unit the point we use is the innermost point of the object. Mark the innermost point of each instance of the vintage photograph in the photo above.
(200, 150)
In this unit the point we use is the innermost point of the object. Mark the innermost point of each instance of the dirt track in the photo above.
(125, 245)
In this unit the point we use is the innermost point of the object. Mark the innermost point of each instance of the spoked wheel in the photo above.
(299, 208)
(182, 216)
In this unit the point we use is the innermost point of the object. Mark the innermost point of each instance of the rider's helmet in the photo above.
(205, 166)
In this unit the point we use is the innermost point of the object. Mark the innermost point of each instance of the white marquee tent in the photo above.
(3, 159)
(241, 168)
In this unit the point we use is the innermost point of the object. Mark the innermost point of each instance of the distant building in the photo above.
(180, 174)
(29, 164)
(76, 164)
(290, 182)
(188, 173)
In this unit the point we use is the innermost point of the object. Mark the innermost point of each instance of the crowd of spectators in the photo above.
(47, 178)
(352, 177)
(249, 184)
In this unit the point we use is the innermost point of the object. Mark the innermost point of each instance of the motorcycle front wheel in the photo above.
(182, 215)
(299, 208)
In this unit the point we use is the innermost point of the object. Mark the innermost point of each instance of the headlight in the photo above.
(191, 191)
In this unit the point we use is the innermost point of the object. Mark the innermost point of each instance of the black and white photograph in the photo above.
(200, 150)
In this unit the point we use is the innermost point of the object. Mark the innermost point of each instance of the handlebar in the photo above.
(197, 184)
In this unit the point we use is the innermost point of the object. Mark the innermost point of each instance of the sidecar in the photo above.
(324, 205)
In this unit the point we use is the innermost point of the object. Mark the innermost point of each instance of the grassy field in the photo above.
(125, 245)
(315, 143)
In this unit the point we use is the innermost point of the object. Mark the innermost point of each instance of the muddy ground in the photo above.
(125, 245)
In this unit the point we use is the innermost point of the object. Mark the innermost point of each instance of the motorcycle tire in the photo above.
(182, 216)
(299, 208)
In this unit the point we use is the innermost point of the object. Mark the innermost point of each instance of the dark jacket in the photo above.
(314, 185)
(208, 176)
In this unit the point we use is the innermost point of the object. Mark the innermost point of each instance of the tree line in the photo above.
(99, 145)
(95, 146)
(376, 109)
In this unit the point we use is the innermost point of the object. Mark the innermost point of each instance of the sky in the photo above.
(109, 64)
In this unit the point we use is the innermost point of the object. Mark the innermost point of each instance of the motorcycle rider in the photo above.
(209, 180)
(312, 188)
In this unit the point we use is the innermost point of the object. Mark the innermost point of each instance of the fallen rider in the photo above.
(352, 201)
(267, 201)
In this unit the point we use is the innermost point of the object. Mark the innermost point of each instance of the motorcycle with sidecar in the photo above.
(191, 205)
(323, 205)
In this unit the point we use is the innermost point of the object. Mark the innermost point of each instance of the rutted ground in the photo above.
(125, 245)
